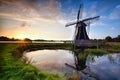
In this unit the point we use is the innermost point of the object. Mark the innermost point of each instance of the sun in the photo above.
(21, 36)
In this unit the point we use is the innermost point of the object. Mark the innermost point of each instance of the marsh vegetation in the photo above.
(12, 67)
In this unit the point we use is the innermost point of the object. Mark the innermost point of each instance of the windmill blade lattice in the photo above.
(69, 24)
(79, 16)
(88, 28)
(80, 11)
(90, 20)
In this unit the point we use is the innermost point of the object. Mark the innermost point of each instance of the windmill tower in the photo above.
(81, 38)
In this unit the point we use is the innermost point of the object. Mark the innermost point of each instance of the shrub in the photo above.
(95, 51)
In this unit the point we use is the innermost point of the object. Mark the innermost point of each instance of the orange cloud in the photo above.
(27, 9)
(45, 18)
(6, 14)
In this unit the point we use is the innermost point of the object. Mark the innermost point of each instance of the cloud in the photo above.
(112, 28)
(6, 14)
(23, 19)
(118, 6)
(98, 23)
(115, 14)
(27, 10)
(93, 10)
(103, 17)
(24, 24)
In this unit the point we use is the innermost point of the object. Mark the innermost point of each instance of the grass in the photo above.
(114, 45)
(95, 51)
(82, 56)
(12, 69)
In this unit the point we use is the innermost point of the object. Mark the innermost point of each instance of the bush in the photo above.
(95, 51)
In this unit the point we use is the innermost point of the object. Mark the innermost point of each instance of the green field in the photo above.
(13, 68)
(112, 47)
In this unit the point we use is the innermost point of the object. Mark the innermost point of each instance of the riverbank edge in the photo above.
(27, 71)
(12, 67)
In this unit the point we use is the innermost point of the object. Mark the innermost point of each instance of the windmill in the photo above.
(81, 38)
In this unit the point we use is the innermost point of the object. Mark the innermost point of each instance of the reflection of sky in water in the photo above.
(52, 61)
(51, 56)
(107, 67)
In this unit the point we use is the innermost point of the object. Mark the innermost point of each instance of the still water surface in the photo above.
(105, 67)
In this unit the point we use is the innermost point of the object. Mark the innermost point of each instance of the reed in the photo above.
(95, 51)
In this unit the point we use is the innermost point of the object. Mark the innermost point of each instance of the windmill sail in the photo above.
(69, 24)
(90, 20)
(80, 11)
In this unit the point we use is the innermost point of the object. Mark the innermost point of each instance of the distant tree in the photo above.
(12, 39)
(115, 39)
(2, 38)
(39, 40)
(108, 38)
(27, 39)
(118, 38)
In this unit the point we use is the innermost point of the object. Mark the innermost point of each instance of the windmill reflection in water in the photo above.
(82, 66)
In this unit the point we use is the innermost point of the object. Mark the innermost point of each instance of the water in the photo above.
(65, 64)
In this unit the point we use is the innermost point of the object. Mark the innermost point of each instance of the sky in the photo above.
(46, 19)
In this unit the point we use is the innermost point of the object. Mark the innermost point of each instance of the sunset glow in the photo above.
(46, 19)
(21, 36)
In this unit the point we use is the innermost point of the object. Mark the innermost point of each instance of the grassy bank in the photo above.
(96, 51)
(12, 69)
(33, 46)
(104, 48)
(112, 47)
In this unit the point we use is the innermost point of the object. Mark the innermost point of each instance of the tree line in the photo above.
(108, 39)
(3, 38)
(115, 39)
